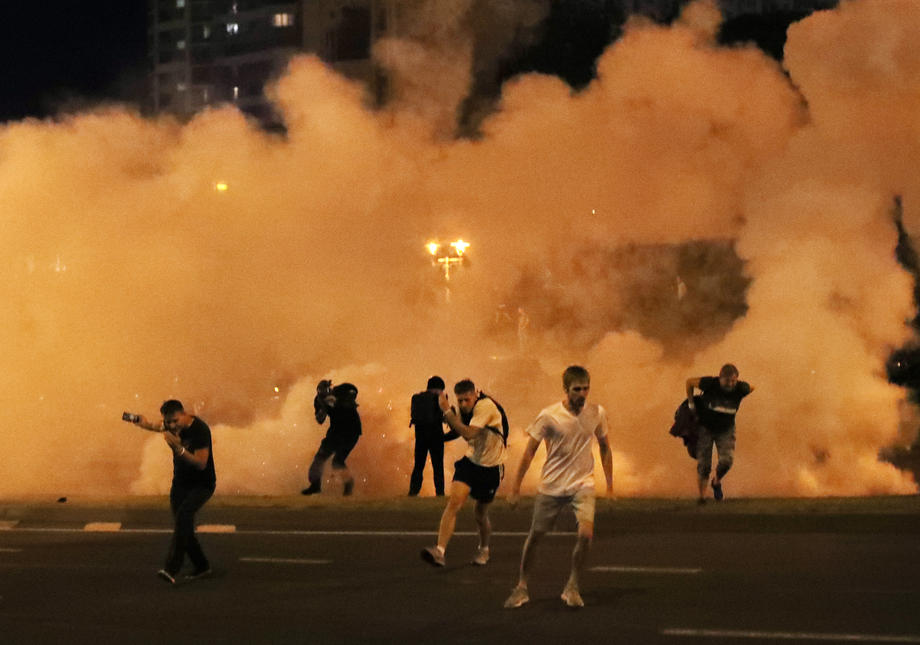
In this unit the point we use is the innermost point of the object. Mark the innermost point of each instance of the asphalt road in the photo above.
(345, 571)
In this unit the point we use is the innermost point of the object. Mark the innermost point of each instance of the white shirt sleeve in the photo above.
(537, 429)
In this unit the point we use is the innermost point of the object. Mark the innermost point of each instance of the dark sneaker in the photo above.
(717, 490)
(167, 576)
(198, 574)
(571, 597)
(312, 489)
(433, 556)
(349, 487)
(518, 597)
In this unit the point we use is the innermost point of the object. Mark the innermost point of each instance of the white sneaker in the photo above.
(571, 597)
(433, 556)
(518, 597)
(481, 558)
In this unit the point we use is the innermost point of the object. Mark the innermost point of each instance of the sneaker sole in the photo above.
(163, 575)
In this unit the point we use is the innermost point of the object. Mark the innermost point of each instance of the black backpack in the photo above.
(687, 426)
(424, 410)
(503, 433)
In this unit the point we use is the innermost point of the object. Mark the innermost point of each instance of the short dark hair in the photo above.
(728, 370)
(171, 406)
(436, 383)
(574, 373)
(464, 386)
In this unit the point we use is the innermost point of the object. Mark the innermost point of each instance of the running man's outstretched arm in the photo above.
(529, 452)
(606, 461)
(142, 422)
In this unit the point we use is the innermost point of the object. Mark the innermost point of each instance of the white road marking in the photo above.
(231, 528)
(286, 560)
(216, 528)
(677, 570)
(386, 533)
(792, 636)
(6, 525)
(10, 550)
(103, 527)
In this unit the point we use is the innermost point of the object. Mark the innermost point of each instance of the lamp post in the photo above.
(450, 257)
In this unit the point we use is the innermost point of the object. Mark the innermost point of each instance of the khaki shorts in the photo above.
(546, 509)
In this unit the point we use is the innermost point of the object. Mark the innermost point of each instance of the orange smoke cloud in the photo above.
(129, 279)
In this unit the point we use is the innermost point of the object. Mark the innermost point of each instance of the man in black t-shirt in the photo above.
(425, 414)
(340, 405)
(716, 408)
(193, 484)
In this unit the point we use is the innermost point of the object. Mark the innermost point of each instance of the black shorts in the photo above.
(482, 480)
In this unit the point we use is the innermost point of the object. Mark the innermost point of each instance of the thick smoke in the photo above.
(129, 278)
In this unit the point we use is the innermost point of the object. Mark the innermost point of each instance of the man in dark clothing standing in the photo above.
(193, 484)
(426, 416)
(340, 405)
(716, 411)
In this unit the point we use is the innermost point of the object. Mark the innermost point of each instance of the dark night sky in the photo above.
(62, 55)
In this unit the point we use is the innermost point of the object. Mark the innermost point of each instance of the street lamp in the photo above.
(452, 256)
(459, 246)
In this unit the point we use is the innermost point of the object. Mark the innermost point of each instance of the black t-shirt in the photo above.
(717, 407)
(195, 437)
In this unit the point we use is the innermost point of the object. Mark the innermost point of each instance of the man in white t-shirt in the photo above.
(569, 429)
(483, 425)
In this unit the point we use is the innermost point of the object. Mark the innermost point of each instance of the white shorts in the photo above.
(546, 509)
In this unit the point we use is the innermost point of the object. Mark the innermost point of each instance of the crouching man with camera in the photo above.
(193, 484)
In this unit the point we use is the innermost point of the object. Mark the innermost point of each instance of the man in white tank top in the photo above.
(569, 429)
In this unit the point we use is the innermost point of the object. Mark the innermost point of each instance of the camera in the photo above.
(130, 418)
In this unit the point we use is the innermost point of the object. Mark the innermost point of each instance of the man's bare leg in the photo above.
(458, 494)
(435, 554)
(485, 533)
(519, 595)
(571, 595)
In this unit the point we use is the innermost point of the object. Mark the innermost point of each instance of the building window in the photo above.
(181, 87)
(283, 20)
(180, 44)
(236, 92)
(233, 28)
(206, 31)
(180, 4)
(234, 8)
